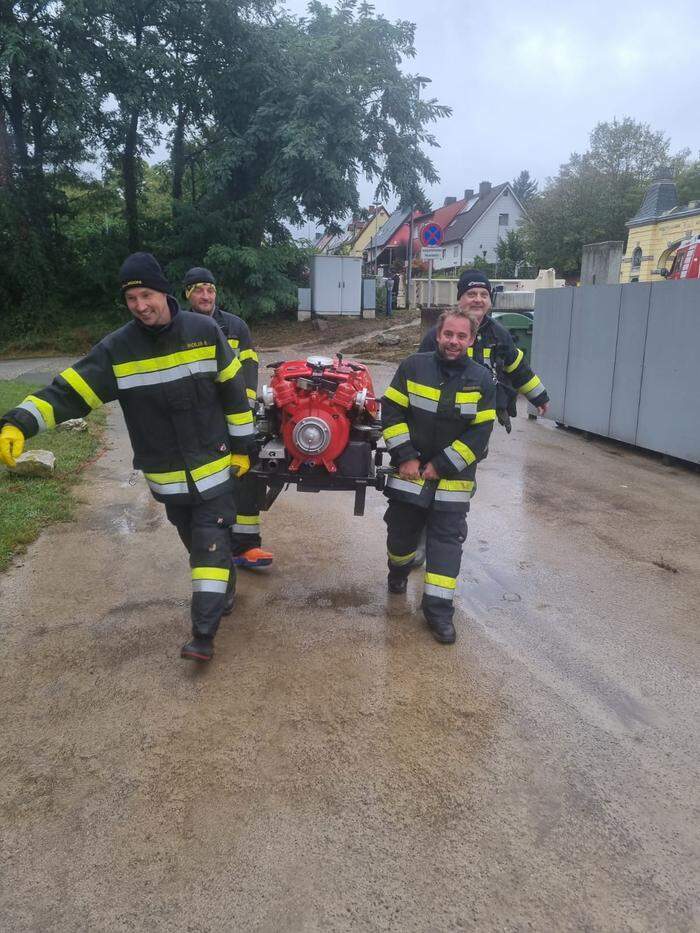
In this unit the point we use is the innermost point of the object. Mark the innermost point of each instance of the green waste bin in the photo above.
(520, 328)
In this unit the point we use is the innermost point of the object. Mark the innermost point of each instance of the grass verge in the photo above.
(29, 503)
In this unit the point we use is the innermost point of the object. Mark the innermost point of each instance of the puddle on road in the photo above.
(124, 520)
(346, 599)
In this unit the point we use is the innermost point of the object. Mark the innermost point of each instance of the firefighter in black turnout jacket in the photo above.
(494, 347)
(437, 417)
(199, 288)
(189, 420)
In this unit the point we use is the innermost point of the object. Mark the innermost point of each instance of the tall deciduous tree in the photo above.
(596, 193)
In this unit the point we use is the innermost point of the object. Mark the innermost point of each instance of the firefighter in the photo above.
(494, 347)
(199, 288)
(437, 417)
(184, 401)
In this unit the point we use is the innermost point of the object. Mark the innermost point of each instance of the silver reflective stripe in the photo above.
(241, 430)
(456, 459)
(246, 529)
(166, 375)
(451, 495)
(440, 591)
(209, 586)
(427, 404)
(33, 410)
(533, 393)
(404, 485)
(214, 480)
(468, 408)
(168, 489)
(397, 439)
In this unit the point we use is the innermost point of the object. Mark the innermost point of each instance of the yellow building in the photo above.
(656, 231)
(365, 234)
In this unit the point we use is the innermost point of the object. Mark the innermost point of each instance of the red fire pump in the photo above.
(319, 420)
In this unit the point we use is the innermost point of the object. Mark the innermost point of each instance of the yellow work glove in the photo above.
(11, 444)
(240, 464)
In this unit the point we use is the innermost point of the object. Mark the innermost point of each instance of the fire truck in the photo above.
(686, 264)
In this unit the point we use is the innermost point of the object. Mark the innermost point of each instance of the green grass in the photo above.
(29, 503)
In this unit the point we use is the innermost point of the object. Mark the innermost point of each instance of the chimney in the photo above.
(468, 193)
(484, 188)
(449, 201)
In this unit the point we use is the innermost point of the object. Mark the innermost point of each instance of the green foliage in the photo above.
(30, 503)
(596, 193)
(512, 256)
(524, 187)
(269, 118)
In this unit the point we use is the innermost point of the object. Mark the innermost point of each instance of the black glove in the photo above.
(504, 419)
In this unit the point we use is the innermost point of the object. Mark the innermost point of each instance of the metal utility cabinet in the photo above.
(336, 285)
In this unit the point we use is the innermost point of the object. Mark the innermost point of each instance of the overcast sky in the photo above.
(528, 81)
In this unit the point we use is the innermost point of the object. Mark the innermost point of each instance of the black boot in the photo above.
(396, 582)
(442, 630)
(199, 649)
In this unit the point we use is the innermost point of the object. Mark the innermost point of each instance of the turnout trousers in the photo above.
(204, 529)
(245, 533)
(446, 532)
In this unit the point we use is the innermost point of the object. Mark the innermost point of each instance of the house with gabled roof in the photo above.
(485, 218)
(354, 240)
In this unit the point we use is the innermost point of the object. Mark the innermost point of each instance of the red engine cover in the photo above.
(316, 420)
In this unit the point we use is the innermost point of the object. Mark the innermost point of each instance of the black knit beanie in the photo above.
(141, 270)
(472, 278)
(194, 276)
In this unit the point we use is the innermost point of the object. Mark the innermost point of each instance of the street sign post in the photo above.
(431, 237)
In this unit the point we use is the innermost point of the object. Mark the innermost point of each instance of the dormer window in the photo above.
(637, 258)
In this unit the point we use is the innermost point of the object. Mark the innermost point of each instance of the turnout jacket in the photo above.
(238, 335)
(182, 393)
(438, 412)
(494, 347)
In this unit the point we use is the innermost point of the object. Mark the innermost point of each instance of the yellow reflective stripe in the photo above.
(79, 385)
(251, 393)
(529, 386)
(456, 485)
(395, 429)
(416, 482)
(209, 468)
(401, 558)
(243, 417)
(487, 353)
(462, 398)
(437, 579)
(465, 452)
(248, 355)
(395, 396)
(45, 410)
(229, 371)
(488, 414)
(210, 573)
(177, 476)
(247, 519)
(470, 351)
(424, 391)
(164, 362)
(516, 362)
(233, 343)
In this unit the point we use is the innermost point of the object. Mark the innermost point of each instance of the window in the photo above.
(503, 220)
(455, 252)
(637, 258)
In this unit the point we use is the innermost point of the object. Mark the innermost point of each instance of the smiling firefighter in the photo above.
(184, 401)
(437, 417)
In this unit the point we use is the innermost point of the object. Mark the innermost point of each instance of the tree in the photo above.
(511, 253)
(524, 187)
(596, 193)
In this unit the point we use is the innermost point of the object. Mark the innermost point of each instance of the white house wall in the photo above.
(484, 235)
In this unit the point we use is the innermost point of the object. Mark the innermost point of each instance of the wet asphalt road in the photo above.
(335, 768)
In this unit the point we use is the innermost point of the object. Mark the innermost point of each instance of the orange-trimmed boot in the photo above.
(255, 557)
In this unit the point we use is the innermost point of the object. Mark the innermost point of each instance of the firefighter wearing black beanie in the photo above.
(141, 270)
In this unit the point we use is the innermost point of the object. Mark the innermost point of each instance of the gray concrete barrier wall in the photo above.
(621, 361)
